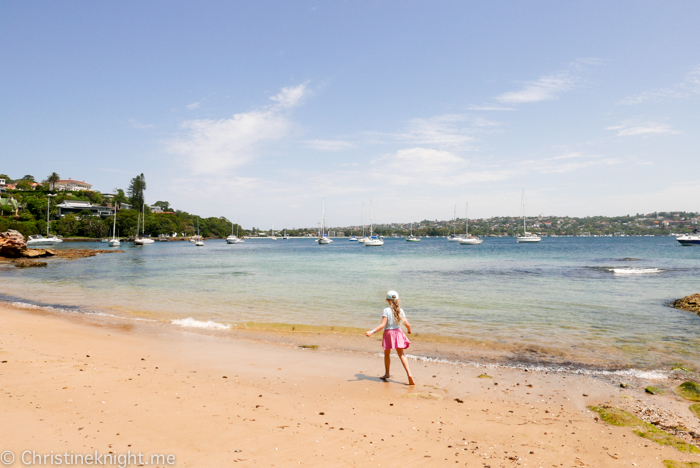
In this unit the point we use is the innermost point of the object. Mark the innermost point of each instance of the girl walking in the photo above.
(394, 337)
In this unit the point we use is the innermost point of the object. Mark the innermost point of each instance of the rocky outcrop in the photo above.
(689, 303)
(12, 244)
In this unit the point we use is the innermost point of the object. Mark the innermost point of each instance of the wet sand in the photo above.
(72, 384)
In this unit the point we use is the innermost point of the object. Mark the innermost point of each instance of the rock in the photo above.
(655, 390)
(690, 303)
(29, 264)
(12, 244)
(695, 409)
(689, 390)
(623, 385)
(32, 253)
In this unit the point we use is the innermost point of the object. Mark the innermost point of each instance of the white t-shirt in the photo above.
(390, 322)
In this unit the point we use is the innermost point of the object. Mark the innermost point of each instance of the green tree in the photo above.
(136, 188)
(164, 205)
(24, 184)
(119, 197)
(29, 178)
(52, 179)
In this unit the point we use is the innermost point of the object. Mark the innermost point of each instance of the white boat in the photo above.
(469, 240)
(453, 237)
(233, 239)
(323, 238)
(285, 236)
(142, 240)
(114, 242)
(199, 242)
(272, 236)
(364, 238)
(411, 237)
(37, 240)
(372, 241)
(689, 239)
(352, 239)
(526, 237)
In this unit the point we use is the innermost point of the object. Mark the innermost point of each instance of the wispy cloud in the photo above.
(431, 166)
(329, 145)
(133, 123)
(569, 162)
(550, 86)
(211, 146)
(689, 87)
(643, 129)
(192, 106)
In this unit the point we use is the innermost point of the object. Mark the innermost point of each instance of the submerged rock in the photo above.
(690, 303)
(695, 409)
(655, 390)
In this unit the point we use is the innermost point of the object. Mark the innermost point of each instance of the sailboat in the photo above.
(364, 238)
(200, 241)
(233, 239)
(373, 241)
(285, 236)
(114, 242)
(352, 237)
(142, 240)
(469, 240)
(411, 237)
(323, 237)
(272, 234)
(453, 237)
(526, 237)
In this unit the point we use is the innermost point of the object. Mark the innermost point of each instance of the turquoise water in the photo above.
(574, 299)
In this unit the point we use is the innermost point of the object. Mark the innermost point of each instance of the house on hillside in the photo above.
(70, 185)
(76, 206)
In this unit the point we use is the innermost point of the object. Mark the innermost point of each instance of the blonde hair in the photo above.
(396, 309)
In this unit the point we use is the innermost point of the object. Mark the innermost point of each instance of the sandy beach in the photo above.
(79, 385)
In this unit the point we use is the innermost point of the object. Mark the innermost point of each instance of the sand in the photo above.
(68, 384)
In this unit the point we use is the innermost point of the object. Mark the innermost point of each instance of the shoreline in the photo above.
(153, 388)
(433, 348)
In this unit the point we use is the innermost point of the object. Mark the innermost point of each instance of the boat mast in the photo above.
(48, 209)
(454, 223)
(363, 219)
(371, 226)
(114, 228)
(524, 229)
(467, 223)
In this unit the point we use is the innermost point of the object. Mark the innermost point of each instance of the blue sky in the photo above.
(258, 110)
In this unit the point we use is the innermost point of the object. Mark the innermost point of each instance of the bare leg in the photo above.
(404, 361)
(387, 364)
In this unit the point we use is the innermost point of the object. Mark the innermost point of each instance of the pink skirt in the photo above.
(395, 339)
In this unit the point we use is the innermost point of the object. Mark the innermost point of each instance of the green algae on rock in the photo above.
(617, 417)
(485, 376)
(655, 390)
(689, 390)
(695, 409)
(677, 464)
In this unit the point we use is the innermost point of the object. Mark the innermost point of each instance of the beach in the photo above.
(78, 384)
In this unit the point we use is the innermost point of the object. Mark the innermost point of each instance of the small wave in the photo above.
(637, 373)
(30, 306)
(634, 271)
(192, 323)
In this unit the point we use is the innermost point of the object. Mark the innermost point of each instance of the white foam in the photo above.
(192, 323)
(26, 305)
(635, 271)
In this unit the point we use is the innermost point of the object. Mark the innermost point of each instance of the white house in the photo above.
(71, 185)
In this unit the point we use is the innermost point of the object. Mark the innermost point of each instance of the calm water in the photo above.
(579, 299)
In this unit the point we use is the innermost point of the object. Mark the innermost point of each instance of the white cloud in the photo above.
(291, 96)
(551, 86)
(192, 106)
(430, 166)
(687, 88)
(454, 131)
(329, 145)
(210, 146)
(569, 162)
(644, 129)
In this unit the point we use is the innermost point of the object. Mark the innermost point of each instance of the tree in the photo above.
(29, 177)
(136, 188)
(53, 178)
(24, 184)
(165, 206)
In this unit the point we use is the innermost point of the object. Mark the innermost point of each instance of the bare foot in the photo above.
(385, 377)
(411, 381)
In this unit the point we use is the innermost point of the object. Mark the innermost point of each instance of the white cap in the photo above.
(392, 295)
